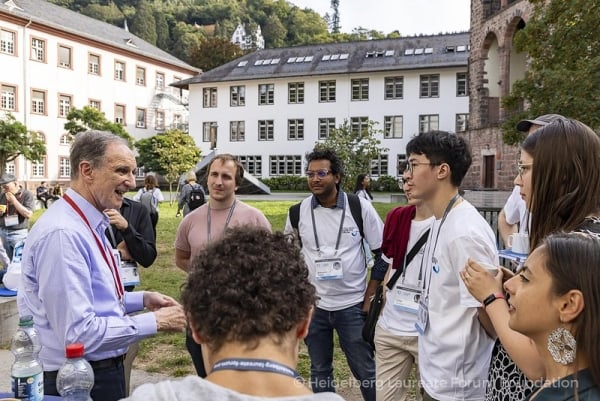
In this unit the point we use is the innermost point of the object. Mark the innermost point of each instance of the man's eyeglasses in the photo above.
(523, 167)
(410, 166)
(319, 173)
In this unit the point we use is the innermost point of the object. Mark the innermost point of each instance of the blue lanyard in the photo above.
(256, 365)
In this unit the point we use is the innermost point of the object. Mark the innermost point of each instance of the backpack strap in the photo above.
(411, 254)
(355, 209)
(295, 215)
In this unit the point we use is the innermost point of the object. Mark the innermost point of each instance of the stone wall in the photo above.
(493, 24)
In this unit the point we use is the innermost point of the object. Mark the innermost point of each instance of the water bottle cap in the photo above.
(74, 350)
(26, 320)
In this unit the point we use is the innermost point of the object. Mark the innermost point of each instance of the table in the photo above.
(46, 397)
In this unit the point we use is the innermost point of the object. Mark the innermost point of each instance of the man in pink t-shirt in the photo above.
(209, 221)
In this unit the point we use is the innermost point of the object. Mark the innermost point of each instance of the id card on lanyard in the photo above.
(107, 255)
(423, 311)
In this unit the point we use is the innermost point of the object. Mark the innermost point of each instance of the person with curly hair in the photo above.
(249, 319)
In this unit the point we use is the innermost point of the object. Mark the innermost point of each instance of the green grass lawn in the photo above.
(166, 352)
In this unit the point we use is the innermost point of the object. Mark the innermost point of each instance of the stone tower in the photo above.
(494, 65)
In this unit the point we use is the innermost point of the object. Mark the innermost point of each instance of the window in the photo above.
(8, 98)
(10, 168)
(119, 71)
(140, 118)
(252, 164)
(160, 80)
(237, 96)
(178, 122)
(64, 56)
(430, 85)
(120, 114)
(265, 130)
(7, 41)
(95, 104)
(38, 169)
(64, 105)
(38, 50)
(65, 139)
(140, 172)
(360, 89)
(295, 129)
(237, 131)
(461, 84)
(393, 126)
(296, 92)
(379, 166)
(94, 64)
(209, 97)
(401, 166)
(325, 126)
(394, 88)
(428, 122)
(266, 94)
(359, 124)
(285, 165)
(159, 120)
(206, 126)
(326, 91)
(38, 102)
(64, 167)
(140, 76)
(462, 122)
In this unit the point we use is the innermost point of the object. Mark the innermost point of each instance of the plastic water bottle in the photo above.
(27, 374)
(75, 378)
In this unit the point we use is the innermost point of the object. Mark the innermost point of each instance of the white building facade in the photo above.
(53, 59)
(272, 106)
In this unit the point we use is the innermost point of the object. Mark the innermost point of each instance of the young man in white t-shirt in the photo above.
(454, 348)
(514, 215)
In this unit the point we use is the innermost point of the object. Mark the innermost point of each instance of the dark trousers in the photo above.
(196, 353)
(109, 380)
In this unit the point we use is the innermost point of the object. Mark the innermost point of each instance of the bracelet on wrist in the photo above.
(491, 298)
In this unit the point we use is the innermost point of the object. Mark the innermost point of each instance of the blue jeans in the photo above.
(348, 324)
(10, 239)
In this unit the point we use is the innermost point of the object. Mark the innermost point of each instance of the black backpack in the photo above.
(196, 197)
(355, 209)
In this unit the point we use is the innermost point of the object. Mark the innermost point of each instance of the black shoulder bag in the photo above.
(368, 332)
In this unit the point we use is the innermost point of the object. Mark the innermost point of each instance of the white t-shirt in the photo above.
(393, 319)
(341, 293)
(455, 351)
(515, 210)
(194, 388)
(363, 194)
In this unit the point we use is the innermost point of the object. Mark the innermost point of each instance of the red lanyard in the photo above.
(112, 265)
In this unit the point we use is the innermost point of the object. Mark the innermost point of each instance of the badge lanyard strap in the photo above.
(112, 265)
(420, 280)
(339, 236)
(226, 221)
(257, 365)
(432, 253)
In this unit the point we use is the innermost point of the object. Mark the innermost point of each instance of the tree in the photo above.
(214, 52)
(143, 23)
(16, 140)
(563, 45)
(335, 17)
(356, 149)
(169, 154)
(274, 32)
(88, 118)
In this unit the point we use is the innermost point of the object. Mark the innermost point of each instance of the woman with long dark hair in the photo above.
(362, 187)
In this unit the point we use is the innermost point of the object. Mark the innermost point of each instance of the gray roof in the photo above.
(409, 53)
(63, 19)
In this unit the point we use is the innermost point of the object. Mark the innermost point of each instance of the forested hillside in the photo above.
(199, 31)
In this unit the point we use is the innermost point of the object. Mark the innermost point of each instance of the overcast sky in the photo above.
(409, 17)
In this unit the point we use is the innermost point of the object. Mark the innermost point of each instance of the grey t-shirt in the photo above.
(193, 388)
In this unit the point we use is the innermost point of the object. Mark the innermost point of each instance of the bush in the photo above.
(386, 183)
(286, 183)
